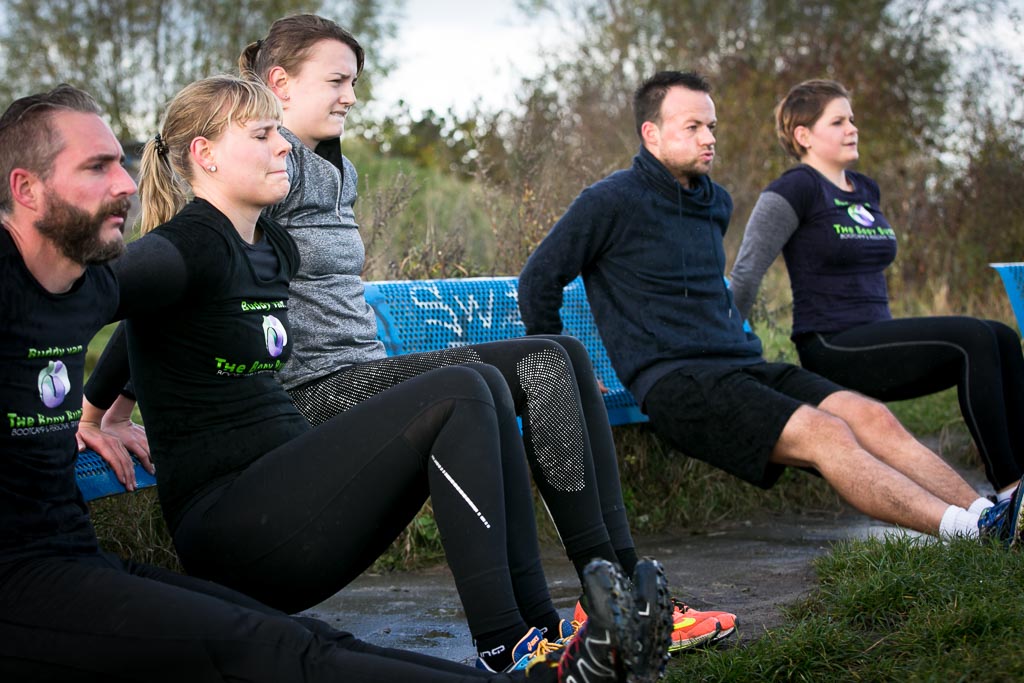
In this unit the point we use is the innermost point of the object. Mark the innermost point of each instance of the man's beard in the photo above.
(76, 233)
(688, 169)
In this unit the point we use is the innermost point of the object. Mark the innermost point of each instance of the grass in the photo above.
(899, 609)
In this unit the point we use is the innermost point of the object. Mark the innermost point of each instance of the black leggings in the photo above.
(906, 358)
(306, 518)
(565, 425)
(97, 618)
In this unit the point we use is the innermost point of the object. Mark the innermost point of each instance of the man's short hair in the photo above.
(648, 97)
(28, 139)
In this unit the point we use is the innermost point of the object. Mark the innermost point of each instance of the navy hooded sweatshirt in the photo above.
(652, 259)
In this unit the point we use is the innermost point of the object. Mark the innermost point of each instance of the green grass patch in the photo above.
(929, 414)
(133, 526)
(899, 609)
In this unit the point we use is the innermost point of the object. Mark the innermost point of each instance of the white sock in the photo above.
(979, 506)
(958, 523)
(1005, 495)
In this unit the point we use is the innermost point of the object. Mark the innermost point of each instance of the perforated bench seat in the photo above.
(97, 480)
(429, 315)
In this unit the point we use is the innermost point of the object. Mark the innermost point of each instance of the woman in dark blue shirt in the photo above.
(827, 221)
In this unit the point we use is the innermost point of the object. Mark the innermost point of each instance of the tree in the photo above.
(903, 60)
(134, 55)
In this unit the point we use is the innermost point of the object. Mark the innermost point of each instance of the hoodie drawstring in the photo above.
(679, 211)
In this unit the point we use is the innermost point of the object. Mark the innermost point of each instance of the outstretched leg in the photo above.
(878, 432)
(815, 439)
(97, 619)
(309, 516)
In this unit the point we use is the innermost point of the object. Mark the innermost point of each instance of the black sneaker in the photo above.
(653, 622)
(605, 647)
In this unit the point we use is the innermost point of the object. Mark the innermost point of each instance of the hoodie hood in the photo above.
(703, 192)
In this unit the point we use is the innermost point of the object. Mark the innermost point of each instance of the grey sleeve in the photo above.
(772, 222)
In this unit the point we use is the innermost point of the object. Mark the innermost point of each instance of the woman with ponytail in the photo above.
(254, 497)
(312, 65)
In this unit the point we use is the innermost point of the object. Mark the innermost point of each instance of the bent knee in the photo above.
(811, 435)
(858, 409)
(1005, 335)
(462, 381)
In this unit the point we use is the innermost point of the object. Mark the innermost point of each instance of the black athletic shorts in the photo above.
(731, 417)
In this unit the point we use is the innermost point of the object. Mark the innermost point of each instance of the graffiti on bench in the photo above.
(470, 315)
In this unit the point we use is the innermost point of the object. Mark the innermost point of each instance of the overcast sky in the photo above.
(451, 53)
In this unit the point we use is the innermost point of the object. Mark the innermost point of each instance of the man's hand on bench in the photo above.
(113, 436)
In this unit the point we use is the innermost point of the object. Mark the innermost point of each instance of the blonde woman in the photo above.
(254, 497)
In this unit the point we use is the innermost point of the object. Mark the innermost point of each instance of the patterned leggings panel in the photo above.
(565, 424)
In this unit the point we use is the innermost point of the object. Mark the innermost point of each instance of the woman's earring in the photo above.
(212, 169)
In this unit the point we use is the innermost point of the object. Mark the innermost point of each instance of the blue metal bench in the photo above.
(428, 315)
(97, 480)
(1013, 281)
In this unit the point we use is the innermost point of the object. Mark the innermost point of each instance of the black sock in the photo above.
(603, 551)
(496, 648)
(627, 559)
(549, 624)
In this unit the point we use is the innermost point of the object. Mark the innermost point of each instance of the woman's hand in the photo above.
(114, 436)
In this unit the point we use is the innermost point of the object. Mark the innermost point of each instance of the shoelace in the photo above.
(545, 647)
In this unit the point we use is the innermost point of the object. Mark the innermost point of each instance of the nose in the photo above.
(707, 137)
(283, 146)
(348, 95)
(123, 185)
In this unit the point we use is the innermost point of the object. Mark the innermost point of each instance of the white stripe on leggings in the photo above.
(462, 493)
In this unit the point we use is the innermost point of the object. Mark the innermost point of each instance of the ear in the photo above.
(802, 135)
(202, 152)
(650, 134)
(278, 82)
(26, 189)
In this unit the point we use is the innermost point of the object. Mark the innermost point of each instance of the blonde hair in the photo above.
(202, 109)
(803, 106)
(289, 44)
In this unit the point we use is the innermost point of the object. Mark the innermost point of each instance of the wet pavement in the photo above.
(753, 568)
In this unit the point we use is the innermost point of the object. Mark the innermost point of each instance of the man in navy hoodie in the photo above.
(648, 241)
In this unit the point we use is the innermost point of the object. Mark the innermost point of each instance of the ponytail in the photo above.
(162, 191)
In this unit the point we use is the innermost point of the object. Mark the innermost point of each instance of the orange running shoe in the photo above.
(727, 620)
(693, 629)
(690, 627)
(579, 615)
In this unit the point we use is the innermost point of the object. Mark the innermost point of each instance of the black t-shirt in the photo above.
(42, 362)
(207, 332)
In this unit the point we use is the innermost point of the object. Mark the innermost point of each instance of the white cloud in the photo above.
(453, 53)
